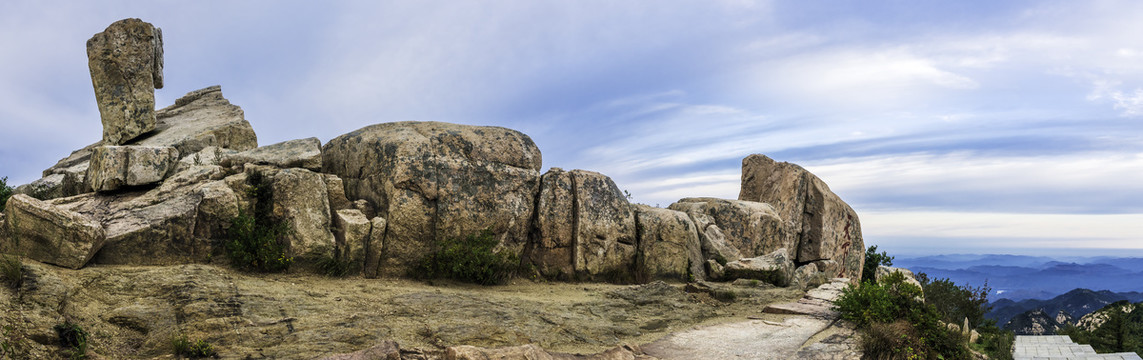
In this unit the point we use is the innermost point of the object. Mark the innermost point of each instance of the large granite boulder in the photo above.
(753, 228)
(47, 233)
(827, 228)
(114, 167)
(433, 181)
(182, 220)
(301, 200)
(198, 120)
(126, 63)
(775, 268)
(585, 228)
(300, 153)
(668, 245)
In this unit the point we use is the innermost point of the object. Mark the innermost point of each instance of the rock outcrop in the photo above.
(300, 153)
(126, 63)
(46, 233)
(585, 227)
(434, 181)
(668, 245)
(825, 227)
(775, 268)
(115, 167)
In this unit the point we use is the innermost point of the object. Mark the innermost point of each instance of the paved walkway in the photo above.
(1060, 347)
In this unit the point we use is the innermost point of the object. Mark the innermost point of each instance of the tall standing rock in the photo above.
(827, 228)
(434, 181)
(126, 63)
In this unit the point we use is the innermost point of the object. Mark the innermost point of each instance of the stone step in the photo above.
(1059, 347)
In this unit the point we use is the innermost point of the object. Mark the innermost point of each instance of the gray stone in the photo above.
(56, 185)
(374, 246)
(126, 63)
(715, 270)
(351, 231)
(302, 202)
(337, 200)
(300, 153)
(386, 350)
(808, 276)
(775, 268)
(827, 228)
(433, 181)
(884, 271)
(712, 241)
(47, 233)
(586, 228)
(115, 167)
(173, 223)
(752, 228)
(210, 155)
(668, 245)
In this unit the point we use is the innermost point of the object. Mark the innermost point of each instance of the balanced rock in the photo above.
(668, 244)
(197, 121)
(300, 153)
(114, 167)
(775, 268)
(126, 63)
(827, 228)
(46, 233)
(433, 181)
(585, 227)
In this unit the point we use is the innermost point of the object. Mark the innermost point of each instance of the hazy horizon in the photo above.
(950, 127)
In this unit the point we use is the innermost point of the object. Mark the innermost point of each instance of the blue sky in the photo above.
(951, 127)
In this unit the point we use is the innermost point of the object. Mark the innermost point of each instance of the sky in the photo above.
(950, 127)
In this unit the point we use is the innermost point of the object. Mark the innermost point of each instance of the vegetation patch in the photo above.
(472, 259)
(11, 271)
(872, 261)
(5, 192)
(1121, 331)
(257, 241)
(192, 349)
(73, 339)
(12, 345)
(334, 266)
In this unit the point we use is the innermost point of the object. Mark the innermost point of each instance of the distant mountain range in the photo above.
(1018, 277)
(1076, 303)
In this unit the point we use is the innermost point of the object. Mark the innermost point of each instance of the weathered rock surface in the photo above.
(668, 245)
(210, 155)
(386, 350)
(126, 63)
(585, 227)
(534, 352)
(775, 268)
(351, 231)
(712, 241)
(751, 227)
(115, 167)
(433, 181)
(180, 221)
(374, 245)
(301, 201)
(300, 153)
(827, 228)
(46, 233)
(198, 120)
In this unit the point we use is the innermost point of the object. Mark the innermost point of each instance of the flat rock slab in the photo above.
(803, 307)
(1059, 347)
(755, 339)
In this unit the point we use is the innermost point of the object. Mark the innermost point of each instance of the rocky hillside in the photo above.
(131, 235)
(1078, 302)
(1039, 322)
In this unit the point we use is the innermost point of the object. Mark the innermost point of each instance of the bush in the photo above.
(955, 303)
(5, 192)
(876, 306)
(472, 259)
(995, 343)
(1122, 331)
(872, 261)
(256, 242)
(11, 271)
(73, 338)
(192, 349)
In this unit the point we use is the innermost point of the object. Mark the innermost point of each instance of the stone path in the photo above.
(811, 331)
(1059, 347)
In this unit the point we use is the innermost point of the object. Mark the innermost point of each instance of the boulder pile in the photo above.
(163, 186)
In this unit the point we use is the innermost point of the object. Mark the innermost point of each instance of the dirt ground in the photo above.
(134, 312)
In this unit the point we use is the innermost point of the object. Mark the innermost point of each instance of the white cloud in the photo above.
(905, 228)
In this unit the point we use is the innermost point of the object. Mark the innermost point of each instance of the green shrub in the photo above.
(5, 192)
(1122, 331)
(192, 349)
(876, 306)
(872, 261)
(472, 259)
(995, 343)
(956, 303)
(11, 271)
(256, 242)
(73, 339)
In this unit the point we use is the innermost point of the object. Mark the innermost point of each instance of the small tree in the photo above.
(872, 261)
(5, 192)
(955, 303)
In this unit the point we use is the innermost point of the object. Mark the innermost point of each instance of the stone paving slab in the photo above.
(1059, 347)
